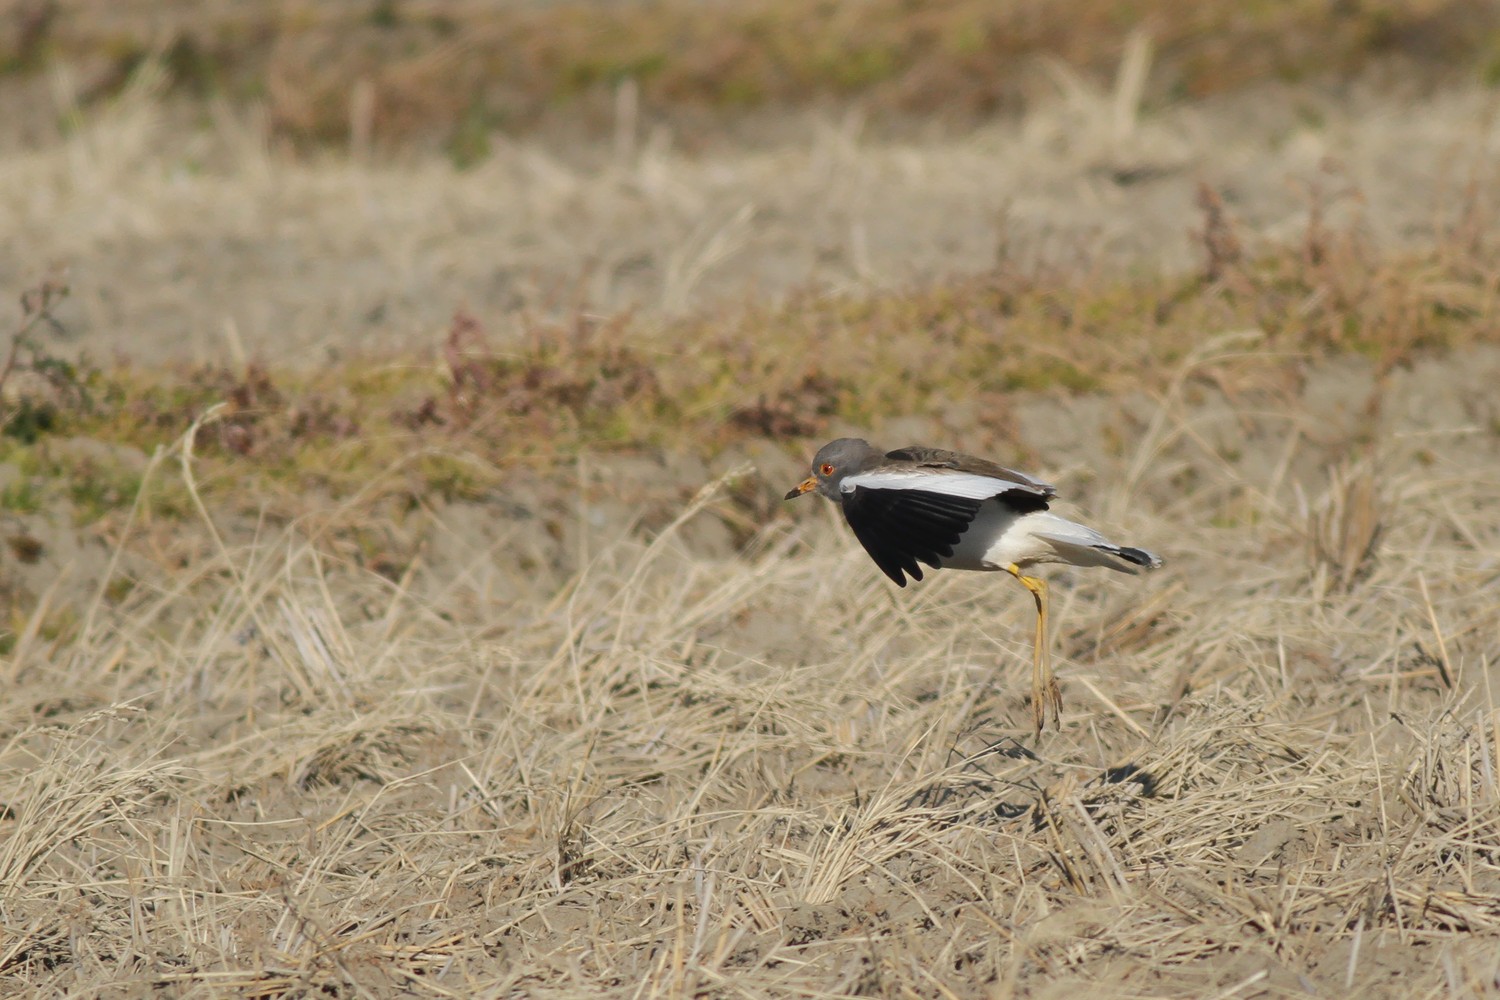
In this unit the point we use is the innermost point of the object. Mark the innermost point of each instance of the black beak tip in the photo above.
(792, 494)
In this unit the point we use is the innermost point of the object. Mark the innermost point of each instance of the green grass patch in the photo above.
(24, 495)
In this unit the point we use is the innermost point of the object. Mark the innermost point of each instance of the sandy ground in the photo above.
(201, 244)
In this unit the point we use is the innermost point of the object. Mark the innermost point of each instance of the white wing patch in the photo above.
(954, 484)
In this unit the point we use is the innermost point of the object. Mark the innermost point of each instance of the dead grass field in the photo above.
(415, 614)
(207, 245)
(681, 769)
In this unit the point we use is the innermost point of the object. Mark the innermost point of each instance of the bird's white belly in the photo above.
(999, 537)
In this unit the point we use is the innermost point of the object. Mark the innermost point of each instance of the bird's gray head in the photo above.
(834, 461)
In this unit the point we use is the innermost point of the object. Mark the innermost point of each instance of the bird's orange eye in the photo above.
(826, 469)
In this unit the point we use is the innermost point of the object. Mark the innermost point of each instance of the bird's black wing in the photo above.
(899, 527)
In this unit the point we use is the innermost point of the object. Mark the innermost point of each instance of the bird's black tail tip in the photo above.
(1139, 557)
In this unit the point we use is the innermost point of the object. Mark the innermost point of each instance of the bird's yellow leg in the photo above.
(1045, 693)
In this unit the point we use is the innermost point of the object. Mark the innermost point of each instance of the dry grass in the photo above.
(458, 68)
(767, 774)
(176, 230)
(464, 675)
(452, 421)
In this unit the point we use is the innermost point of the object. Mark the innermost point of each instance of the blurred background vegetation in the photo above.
(453, 71)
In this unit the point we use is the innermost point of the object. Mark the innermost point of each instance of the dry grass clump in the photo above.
(768, 774)
(391, 70)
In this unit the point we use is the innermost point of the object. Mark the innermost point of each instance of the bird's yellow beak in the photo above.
(810, 483)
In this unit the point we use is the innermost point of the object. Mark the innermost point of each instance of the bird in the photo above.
(949, 510)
